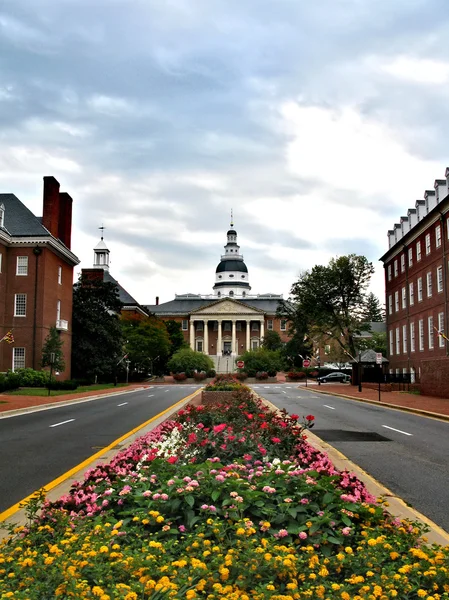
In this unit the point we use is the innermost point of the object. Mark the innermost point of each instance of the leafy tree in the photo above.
(261, 360)
(97, 334)
(176, 336)
(332, 299)
(146, 342)
(377, 342)
(188, 361)
(296, 350)
(373, 309)
(272, 340)
(53, 345)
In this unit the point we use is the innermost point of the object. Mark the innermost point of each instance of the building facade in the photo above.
(231, 320)
(416, 283)
(36, 277)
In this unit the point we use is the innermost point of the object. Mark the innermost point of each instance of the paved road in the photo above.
(40, 446)
(407, 453)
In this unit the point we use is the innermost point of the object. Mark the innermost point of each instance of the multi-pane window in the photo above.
(438, 236)
(199, 326)
(391, 343)
(255, 326)
(395, 268)
(404, 298)
(418, 250)
(396, 301)
(398, 341)
(421, 334)
(390, 304)
(228, 327)
(22, 265)
(283, 324)
(419, 289)
(410, 257)
(404, 339)
(440, 279)
(411, 290)
(441, 329)
(429, 284)
(60, 275)
(389, 272)
(270, 324)
(185, 324)
(402, 263)
(18, 358)
(412, 337)
(428, 243)
(20, 305)
(430, 332)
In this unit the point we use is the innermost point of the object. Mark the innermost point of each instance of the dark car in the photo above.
(334, 378)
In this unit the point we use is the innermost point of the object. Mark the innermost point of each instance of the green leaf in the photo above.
(346, 520)
(190, 500)
(334, 540)
(315, 527)
(215, 495)
(292, 511)
(328, 497)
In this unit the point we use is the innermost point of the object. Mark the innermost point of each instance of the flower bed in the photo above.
(223, 502)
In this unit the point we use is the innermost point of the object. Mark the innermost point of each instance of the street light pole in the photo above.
(360, 371)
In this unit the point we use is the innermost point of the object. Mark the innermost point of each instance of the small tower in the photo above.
(231, 275)
(101, 254)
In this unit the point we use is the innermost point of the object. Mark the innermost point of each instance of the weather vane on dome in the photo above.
(102, 230)
(232, 220)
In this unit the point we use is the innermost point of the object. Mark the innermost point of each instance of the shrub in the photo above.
(10, 381)
(272, 373)
(188, 361)
(199, 376)
(67, 384)
(241, 375)
(261, 375)
(314, 374)
(211, 373)
(296, 375)
(179, 376)
(225, 377)
(261, 360)
(32, 378)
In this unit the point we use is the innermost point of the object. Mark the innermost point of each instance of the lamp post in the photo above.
(127, 370)
(360, 371)
(319, 365)
(52, 362)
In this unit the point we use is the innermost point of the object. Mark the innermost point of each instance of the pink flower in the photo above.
(346, 530)
(275, 440)
(172, 459)
(303, 535)
(247, 456)
(219, 428)
(281, 533)
(182, 528)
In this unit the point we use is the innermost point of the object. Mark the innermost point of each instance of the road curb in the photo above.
(416, 411)
(396, 506)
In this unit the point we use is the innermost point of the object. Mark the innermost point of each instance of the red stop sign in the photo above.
(306, 363)
(240, 364)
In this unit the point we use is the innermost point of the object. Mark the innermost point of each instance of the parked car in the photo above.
(334, 378)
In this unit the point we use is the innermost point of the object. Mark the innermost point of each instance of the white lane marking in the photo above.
(398, 430)
(151, 395)
(61, 423)
(289, 387)
(166, 390)
(266, 387)
(327, 406)
(122, 404)
(284, 392)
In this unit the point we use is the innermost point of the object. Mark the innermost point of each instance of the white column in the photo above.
(262, 329)
(233, 337)
(248, 333)
(219, 352)
(192, 334)
(206, 337)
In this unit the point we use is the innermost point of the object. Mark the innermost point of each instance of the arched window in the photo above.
(231, 293)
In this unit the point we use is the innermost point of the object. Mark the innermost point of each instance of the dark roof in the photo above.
(375, 327)
(19, 220)
(368, 357)
(236, 283)
(231, 265)
(185, 305)
(232, 232)
(125, 298)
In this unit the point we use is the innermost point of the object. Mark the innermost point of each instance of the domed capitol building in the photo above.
(231, 320)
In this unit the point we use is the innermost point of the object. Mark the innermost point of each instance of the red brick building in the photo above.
(36, 276)
(416, 282)
(231, 320)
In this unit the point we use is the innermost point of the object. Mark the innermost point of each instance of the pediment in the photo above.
(227, 307)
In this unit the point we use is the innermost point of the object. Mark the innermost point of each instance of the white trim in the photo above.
(15, 304)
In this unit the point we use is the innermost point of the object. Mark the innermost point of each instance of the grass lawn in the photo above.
(44, 391)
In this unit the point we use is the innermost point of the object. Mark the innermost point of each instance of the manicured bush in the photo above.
(9, 381)
(188, 361)
(261, 375)
(241, 375)
(211, 373)
(179, 376)
(296, 375)
(32, 378)
(67, 384)
(261, 360)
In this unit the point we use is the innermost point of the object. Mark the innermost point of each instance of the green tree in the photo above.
(272, 340)
(147, 343)
(260, 360)
(373, 309)
(53, 345)
(176, 336)
(377, 342)
(188, 361)
(97, 334)
(332, 299)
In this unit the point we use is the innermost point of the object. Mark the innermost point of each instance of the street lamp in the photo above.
(127, 370)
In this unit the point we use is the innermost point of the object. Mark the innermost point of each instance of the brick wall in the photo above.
(435, 377)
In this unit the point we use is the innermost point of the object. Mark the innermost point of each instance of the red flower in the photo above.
(264, 425)
(192, 438)
(294, 417)
(172, 459)
(310, 418)
(218, 428)
(275, 440)
(249, 415)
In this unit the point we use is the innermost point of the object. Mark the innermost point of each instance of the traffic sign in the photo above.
(240, 364)
(306, 363)
(378, 358)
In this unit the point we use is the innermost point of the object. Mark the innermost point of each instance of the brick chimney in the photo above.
(157, 300)
(65, 219)
(50, 213)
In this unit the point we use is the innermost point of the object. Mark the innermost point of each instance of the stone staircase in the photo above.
(224, 364)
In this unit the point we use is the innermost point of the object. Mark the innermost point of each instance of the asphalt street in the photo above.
(407, 453)
(40, 446)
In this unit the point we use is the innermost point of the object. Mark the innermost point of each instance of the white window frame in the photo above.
(404, 297)
(398, 340)
(390, 304)
(18, 356)
(440, 279)
(199, 345)
(430, 332)
(421, 334)
(411, 292)
(58, 311)
(410, 257)
(419, 289)
(402, 263)
(22, 266)
(389, 272)
(429, 284)
(441, 329)
(20, 302)
(391, 343)
(60, 275)
(396, 301)
(186, 323)
(428, 244)
(412, 337)
(418, 251)
(270, 324)
(438, 236)
(283, 324)
(404, 339)
(396, 268)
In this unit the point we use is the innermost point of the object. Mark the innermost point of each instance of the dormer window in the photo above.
(2, 215)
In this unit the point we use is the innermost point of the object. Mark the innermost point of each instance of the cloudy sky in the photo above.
(319, 123)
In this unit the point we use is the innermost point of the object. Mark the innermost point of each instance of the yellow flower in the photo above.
(270, 586)
(345, 596)
(240, 531)
(335, 587)
(160, 519)
(104, 550)
(348, 550)
(422, 593)
(190, 594)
